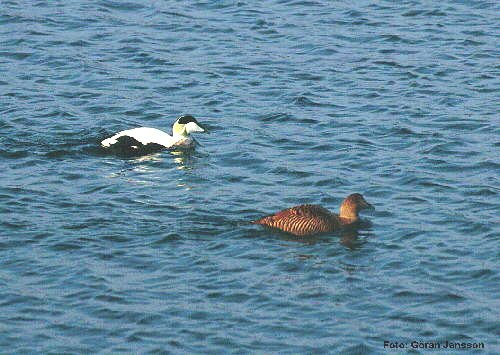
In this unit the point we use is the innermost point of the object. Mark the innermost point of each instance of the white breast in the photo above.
(144, 135)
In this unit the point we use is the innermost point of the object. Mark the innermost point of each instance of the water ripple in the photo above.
(307, 101)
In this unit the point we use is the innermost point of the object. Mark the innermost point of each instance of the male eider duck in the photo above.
(308, 220)
(145, 140)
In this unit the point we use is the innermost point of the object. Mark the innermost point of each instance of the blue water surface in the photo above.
(307, 102)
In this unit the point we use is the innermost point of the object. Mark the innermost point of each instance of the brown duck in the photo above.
(307, 220)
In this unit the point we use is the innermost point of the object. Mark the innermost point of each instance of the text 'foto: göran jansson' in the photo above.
(433, 345)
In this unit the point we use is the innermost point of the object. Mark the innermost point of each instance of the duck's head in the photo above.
(352, 205)
(185, 125)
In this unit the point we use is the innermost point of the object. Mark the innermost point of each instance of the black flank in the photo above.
(128, 147)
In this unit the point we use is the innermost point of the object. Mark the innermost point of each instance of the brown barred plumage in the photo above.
(302, 220)
(307, 220)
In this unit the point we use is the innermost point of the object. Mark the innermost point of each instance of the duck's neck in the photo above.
(348, 213)
(179, 132)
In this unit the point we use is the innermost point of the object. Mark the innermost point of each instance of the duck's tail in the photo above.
(108, 142)
(265, 221)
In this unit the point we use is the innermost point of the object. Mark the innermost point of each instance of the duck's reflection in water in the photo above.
(182, 159)
(349, 239)
(148, 158)
(141, 167)
(146, 169)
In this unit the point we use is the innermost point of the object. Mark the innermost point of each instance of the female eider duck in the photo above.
(308, 220)
(145, 140)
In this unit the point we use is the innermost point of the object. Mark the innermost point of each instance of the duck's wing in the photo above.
(302, 220)
(144, 135)
(128, 147)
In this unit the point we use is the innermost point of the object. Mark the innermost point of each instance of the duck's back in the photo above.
(302, 220)
(144, 135)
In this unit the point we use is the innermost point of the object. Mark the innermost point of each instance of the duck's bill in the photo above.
(195, 127)
(370, 206)
(203, 128)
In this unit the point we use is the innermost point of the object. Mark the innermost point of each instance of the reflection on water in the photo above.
(181, 158)
(148, 169)
(348, 237)
(148, 158)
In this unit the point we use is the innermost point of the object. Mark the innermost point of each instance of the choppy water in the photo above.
(307, 102)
